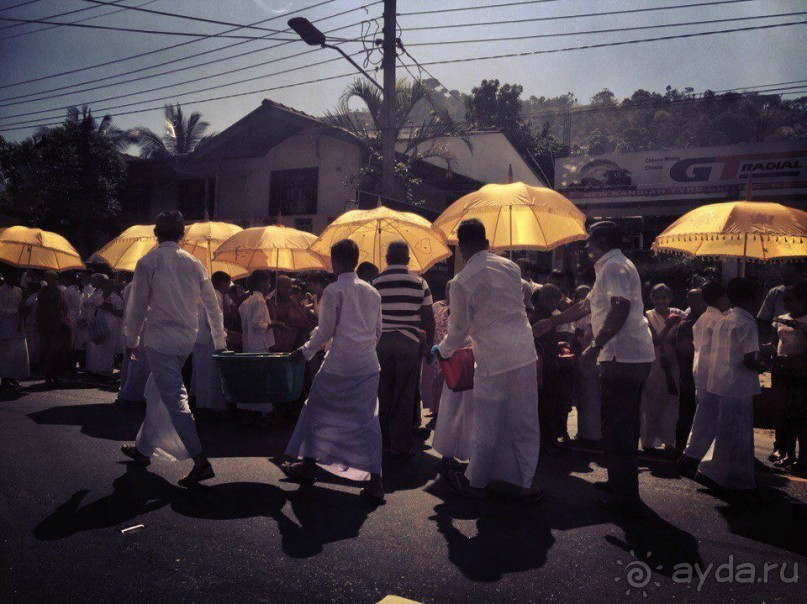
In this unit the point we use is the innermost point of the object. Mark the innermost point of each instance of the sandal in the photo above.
(457, 481)
(131, 452)
(197, 475)
(291, 472)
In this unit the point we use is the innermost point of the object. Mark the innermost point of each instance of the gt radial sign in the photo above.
(775, 170)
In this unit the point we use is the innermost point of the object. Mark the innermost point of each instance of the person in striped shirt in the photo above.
(406, 310)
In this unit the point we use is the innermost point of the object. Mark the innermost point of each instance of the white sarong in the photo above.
(730, 460)
(455, 424)
(133, 378)
(168, 431)
(339, 426)
(704, 426)
(101, 357)
(13, 347)
(206, 383)
(506, 435)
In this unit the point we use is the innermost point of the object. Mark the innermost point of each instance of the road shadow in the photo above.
(101, 420)
(510, 537)
(773, 517)
(322, 515)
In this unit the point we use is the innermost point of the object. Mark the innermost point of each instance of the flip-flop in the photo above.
(131, 452)
(197, 475)
(455, 482)
(293, 475)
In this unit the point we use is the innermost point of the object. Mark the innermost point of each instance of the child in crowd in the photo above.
(790, 339)
(736, 362)
(553, 397)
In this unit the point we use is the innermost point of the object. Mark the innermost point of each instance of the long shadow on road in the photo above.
(323, 515)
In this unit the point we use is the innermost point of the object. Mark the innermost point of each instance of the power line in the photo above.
(71, 12)
(579, 16)
(2, 10)
(175, 70)
(208, 100)
(137, 30)
(172, 61)
(467, 8)
(607, 31)
(177, 94)
(186, 17)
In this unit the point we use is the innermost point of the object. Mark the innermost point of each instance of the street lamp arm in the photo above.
(356, 65)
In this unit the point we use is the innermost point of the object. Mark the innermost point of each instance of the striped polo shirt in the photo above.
(403, 294)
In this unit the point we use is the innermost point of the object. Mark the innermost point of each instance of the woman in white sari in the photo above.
(659, 413)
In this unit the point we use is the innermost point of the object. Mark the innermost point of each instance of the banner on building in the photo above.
(714, 173)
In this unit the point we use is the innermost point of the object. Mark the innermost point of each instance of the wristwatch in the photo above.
(595, 344)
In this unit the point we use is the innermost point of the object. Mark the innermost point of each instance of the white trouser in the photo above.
(704, 425)
(168, 430)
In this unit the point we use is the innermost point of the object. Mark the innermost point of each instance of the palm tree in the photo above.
(182, 136)
(82, 120)
(420, 141)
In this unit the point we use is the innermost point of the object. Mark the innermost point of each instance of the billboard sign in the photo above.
(718, 173)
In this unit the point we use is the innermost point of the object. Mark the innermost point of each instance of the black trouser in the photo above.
(687, 404)
(399, 357)
(622, 385)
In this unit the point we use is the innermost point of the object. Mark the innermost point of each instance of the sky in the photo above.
(37, 52)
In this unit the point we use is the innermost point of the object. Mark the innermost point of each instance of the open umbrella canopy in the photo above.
(517, 217)
(751, 230)
(274, 248)
(123, 252)
(26, 247)
(203, 239)
(373, 231)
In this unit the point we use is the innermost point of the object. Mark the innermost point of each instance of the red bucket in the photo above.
(459, 370)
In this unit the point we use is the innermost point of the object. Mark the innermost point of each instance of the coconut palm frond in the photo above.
(368, 94)
(151, 144)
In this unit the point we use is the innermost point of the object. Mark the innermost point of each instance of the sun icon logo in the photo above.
(638, 574)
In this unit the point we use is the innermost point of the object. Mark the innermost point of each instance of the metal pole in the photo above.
(745, 255)
(388, 133)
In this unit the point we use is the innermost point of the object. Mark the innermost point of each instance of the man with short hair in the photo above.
(338, 427)
(168, 286)
(406, 307)
(623, 347)
(486, 305)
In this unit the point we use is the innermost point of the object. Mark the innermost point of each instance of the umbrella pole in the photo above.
(745, 256)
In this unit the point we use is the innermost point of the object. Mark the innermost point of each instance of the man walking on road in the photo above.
(623, 347)
(168, 286)
(487, 305)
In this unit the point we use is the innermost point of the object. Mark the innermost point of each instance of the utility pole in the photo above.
(388, 134)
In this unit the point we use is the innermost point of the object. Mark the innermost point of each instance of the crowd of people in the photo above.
(379, 351)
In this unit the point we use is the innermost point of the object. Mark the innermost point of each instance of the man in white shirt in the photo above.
(167, 288)
(705, 423)
(734, 378)
(256, 333)
(206, 381)
(338, 427)
(487, 305)
(134, 371)
(623, 348)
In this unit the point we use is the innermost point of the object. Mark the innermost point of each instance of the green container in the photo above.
(256, 377)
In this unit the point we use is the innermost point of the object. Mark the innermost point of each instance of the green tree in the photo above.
(181, 137)
(67, 180)
(82, 122)
(419, 138)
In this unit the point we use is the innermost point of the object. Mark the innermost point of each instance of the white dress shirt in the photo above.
(702, 333)
(617, 277)
(487, 304)
(168, 285)
(350, 315)
(255, 333)
(735, 335)
(205, 335)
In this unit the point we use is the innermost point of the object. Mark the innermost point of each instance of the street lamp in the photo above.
(314, 37)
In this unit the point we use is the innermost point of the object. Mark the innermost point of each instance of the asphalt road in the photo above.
(249, 536)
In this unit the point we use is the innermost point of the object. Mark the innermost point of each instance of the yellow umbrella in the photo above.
(517, 217)
(34, 248)
(123, 252)
(373, 230)
(748, 230)
(274, 248)
(202, 239)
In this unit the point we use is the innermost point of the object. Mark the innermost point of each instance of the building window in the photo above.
(293, 192)
(191, 198)
(304, 224)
